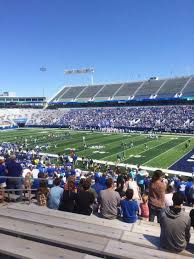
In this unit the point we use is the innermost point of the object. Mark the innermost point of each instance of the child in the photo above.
(129, 207)
(42, 194)
(144, 207)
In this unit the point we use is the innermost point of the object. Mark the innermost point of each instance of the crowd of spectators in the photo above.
(112, 194)
(159, 117)
(155, 117)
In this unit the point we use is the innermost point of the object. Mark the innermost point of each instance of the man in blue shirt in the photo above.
(55, 195)
(2, 180)
(129, 208)
(14, 169)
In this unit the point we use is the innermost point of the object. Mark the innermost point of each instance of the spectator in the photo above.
(156, 196)
(189, 191)
(55, 195)
(121, 188)
(140, 180)
(168, 196)
(98, 186)
(133, 185)
(42, 193)
(144, 207)
(69, 195)
(109, 201)
(129, 208)
(175, 226)
(2, 180)
(84, 199)
(191, 214)
(14, 169)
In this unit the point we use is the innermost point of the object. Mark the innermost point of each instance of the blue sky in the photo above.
(121, 39)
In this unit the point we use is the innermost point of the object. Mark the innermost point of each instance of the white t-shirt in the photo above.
(133, 185)
(168, 199)
(35, 173)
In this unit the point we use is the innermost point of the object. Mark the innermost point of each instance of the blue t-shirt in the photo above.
(14, 169)
(129, 209)
(55, 195)
(181, 187)
(2, 173)
(188, 187)
(140, 178)
(98, 187)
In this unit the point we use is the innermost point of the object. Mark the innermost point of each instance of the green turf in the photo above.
(161, 152)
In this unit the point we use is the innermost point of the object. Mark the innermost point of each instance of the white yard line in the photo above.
(136, 147)
(165, 152)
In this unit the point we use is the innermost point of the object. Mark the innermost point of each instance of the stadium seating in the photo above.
(172, 87)
(149, 88)
(71, 93)
(89, 234)
(189, 89)
(127, 90)
(15, 247)
(89, 92)
(107, 92)
(152, 88)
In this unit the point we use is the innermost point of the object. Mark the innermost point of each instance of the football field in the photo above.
(161, 151)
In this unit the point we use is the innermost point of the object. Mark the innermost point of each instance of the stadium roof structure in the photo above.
(169, 88)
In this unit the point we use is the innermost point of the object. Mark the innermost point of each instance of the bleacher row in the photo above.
(163, 88)
(29, 231)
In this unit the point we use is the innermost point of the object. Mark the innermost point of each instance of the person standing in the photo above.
(14, 169)
(2, 180)
(156, 196)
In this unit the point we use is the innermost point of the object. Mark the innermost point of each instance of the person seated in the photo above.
(42, 193)
(129, 207)
(121, 189)
(191, 214)
(69, 194)
(168, 196)
(55, 195)
(175, 226)
(109, 201)
(98, 186)
(84, 199)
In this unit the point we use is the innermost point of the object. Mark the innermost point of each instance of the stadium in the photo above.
(97, 161)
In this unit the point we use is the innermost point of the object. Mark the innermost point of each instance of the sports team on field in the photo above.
(113, 194)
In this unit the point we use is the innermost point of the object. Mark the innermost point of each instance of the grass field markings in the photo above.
(155, 146)
(117, 142)
(111, 143)
(116, 145)
(121, 150)
(91, 141)
(131, 149)
(151, 154)
(71, 141)
(137, 143)
(165, 152)
(179, 158)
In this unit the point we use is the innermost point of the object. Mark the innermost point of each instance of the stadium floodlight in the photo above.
(81, 71)
(78, 71)
(43, 69)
